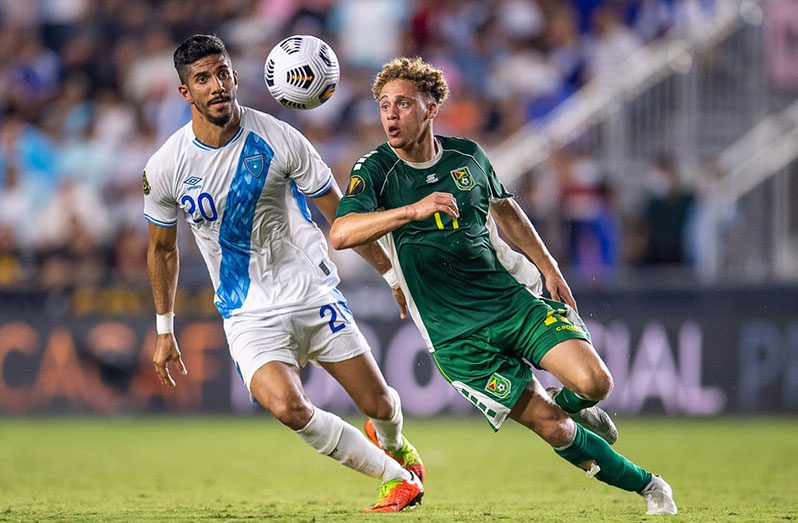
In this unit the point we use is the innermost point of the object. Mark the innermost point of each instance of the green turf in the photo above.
(254, 469)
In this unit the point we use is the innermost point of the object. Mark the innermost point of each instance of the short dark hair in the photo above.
(194, 48)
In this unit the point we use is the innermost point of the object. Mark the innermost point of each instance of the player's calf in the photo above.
(591, 417)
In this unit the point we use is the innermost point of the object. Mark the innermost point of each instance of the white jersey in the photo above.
(246, 204)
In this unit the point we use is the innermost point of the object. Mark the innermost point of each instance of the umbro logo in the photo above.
(193, 182)
(432, 178)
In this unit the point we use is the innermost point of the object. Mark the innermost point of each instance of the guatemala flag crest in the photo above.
(254, 165)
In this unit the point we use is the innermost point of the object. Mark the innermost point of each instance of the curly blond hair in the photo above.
(428, 80)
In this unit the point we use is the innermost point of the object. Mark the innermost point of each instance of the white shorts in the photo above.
(319, 334)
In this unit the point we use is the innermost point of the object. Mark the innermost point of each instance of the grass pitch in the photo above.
(216, 468)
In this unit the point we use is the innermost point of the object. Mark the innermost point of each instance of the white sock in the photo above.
(332, 436)
(389, 431)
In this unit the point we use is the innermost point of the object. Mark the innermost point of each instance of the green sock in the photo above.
(570, 402)
(616, 470)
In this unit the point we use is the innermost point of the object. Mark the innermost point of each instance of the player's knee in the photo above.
(595, 385)
(599, 387)
(294, 412)
(378, 406)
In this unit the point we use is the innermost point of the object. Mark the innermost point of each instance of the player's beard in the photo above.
(223, 118)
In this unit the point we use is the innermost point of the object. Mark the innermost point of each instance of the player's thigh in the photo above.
(490, 379)
(255, 342)
(579, 367)
(553, 337)
(335, 342)
(362, 380)
(278, 388)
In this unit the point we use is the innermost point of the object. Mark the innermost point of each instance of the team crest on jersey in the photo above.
(498, 385)
(254, 165)
(356, 186)
(463, 179)
(145, 185)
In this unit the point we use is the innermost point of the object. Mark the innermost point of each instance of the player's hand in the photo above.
(435, 202)
(558, 288)
(399, 296)
(166, 351)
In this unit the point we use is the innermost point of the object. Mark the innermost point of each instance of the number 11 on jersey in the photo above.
(439, 222)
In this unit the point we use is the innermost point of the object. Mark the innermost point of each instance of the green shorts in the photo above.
(490, 367)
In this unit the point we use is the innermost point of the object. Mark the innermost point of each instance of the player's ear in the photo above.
(235, 78)
(183, 90)
(432, 110)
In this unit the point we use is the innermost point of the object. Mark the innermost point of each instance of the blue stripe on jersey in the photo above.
(301, 201)
(323, 190)
(235, 233)
(159, 223)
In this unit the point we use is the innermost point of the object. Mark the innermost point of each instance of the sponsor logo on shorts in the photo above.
(499, 386)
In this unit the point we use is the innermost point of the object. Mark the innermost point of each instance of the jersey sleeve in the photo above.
(305, 167)
(160, 205)
(362, 189)
(497, 189)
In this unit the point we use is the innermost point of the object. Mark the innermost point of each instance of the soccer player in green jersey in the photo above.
(477, 302)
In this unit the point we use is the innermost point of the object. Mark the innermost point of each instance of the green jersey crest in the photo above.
(463, 179)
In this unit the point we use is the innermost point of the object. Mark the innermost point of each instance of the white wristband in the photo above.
(165, 323)
(391, 278)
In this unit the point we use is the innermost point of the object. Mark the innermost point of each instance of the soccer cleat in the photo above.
(593, 418)
(659, 497)
(408, 457)
(398, 494)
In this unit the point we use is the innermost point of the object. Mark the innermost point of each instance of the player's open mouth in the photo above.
(393, 131)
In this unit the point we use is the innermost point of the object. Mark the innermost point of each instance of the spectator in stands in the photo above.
(667, 213)
(610, 45)
(592, 224)
(78, 78)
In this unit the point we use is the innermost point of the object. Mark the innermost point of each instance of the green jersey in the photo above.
(449, 267)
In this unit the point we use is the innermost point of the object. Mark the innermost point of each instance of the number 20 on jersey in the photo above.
(204, 203)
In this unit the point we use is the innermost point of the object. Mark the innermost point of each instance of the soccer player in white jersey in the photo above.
(242, 178)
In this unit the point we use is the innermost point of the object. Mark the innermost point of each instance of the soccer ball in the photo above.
(301, 72)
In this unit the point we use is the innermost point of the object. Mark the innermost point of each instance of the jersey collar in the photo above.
(207, 147)
(428, 163)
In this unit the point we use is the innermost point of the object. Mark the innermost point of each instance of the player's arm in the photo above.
(516, 225)
(356, 229)
(372, 251)
(163, 267)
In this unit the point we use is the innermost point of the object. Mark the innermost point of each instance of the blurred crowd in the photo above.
(88, 93)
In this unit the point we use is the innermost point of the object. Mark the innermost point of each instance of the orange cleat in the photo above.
(408, 457)
(398, 494)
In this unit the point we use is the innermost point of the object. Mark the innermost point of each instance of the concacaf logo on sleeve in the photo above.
(145, 185)
(356, 186)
